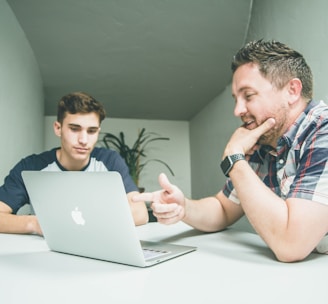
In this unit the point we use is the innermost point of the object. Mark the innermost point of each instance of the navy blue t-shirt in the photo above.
(13, 191)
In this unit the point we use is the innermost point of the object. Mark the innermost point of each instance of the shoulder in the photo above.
(317, 113)
(104, 154)
(38, 161)
(312, 123)
(106, 158)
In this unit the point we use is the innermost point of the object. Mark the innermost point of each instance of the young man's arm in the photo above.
(138, 209)
(11, 223)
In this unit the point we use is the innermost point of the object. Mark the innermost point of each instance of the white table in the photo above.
(228, 267)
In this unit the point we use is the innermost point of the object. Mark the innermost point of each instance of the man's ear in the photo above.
(294, 90)
(57, 128)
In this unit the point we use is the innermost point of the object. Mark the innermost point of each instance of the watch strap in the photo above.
(229, 161)
(235, 157)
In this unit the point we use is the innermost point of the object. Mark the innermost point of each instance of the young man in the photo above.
(78, 125)
(276, 162)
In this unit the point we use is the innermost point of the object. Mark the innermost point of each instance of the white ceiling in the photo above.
(147, 59)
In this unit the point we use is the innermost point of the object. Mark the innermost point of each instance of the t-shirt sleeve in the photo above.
(13, 191)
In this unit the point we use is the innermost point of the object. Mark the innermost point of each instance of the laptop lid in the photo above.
(88, 214)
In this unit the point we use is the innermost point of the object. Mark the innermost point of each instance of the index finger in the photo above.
(146, 196)
(265, 126)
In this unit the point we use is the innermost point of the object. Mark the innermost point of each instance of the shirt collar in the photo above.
(289, 137)
(286, 140)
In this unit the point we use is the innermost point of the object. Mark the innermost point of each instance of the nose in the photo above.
(83, 137)
(240, 109)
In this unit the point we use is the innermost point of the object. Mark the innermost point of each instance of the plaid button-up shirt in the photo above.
(299, 166)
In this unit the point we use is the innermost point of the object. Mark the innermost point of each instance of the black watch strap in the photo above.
(229, 161)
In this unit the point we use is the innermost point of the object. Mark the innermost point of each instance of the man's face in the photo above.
(257, 100)
(79, 135)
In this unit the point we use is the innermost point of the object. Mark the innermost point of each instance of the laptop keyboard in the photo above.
(152, 253)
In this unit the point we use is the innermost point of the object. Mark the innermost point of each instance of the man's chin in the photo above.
(80, 157)
(266, 140)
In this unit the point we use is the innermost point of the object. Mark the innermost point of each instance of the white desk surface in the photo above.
(228, 267)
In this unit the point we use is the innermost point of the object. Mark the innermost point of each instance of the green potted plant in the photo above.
(134, 156)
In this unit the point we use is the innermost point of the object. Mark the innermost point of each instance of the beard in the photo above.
(272, 136)
(269, 138)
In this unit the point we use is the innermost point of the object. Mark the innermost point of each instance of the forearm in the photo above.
(206, 214)
(270, 215)
(265, 210)
(25, 224)
(139, 210)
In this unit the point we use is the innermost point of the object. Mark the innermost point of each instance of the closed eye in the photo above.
(75, 128)
(93, 130)
(249, 96)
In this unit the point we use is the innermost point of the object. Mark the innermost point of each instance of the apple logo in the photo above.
(77, 216)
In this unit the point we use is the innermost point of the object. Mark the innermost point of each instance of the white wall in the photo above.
(210, 130)
(175, 152)
(21, 95)
(301, 24)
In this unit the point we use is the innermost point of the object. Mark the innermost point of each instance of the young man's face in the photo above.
(79, 134)
(257, 100)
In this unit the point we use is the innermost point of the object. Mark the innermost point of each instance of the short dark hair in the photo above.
(79, 102)
(277, 62)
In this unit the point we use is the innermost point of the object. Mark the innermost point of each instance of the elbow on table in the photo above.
(290, 255)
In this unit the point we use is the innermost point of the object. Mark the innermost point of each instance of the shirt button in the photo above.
(281, 161)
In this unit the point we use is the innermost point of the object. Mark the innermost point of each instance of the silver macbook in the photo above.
(88, 214)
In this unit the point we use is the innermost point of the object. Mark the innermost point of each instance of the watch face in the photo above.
(226, 165)
(228, 162)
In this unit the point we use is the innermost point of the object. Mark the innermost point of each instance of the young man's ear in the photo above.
(57, 128)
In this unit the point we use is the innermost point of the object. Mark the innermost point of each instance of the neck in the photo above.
(69, 163)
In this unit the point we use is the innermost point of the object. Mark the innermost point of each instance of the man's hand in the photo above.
(244, 141)
(168, 204)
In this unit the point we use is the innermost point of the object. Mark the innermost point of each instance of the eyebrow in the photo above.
(79, 126)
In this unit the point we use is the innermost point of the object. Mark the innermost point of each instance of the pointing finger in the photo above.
(143, 197)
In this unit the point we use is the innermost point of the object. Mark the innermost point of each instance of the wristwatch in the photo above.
(229, 161)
